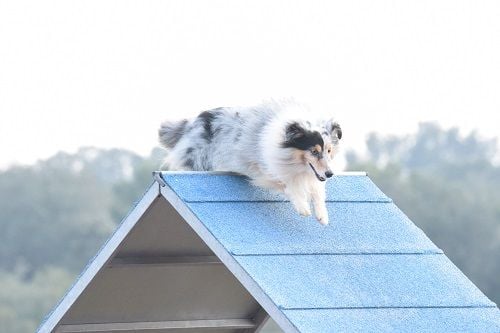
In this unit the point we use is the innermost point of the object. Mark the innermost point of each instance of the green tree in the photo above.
(46, 209)
(448, 185)
(54, 217)
(127, 192)
(24, 302)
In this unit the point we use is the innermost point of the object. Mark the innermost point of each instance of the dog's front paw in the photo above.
(303, 209)
(322, 217)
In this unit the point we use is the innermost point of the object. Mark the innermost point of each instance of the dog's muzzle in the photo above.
(320, 178)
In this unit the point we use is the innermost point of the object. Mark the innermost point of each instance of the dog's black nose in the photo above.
(328, 174)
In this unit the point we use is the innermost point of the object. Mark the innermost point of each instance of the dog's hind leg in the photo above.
(318, 198)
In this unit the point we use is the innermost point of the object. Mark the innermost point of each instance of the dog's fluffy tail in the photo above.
(171, 132)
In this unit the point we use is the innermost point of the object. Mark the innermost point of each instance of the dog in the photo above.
(276, 144)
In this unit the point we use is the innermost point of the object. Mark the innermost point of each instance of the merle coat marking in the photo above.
(275, 144)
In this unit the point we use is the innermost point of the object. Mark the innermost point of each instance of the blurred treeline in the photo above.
(56, 214)
(448, 185)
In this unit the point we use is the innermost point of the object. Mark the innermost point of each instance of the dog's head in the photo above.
(314, 147)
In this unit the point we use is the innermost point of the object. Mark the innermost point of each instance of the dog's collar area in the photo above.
(321, 179)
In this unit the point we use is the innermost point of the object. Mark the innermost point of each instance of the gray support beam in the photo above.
(158, 325)
(260, 319)
(120, 262)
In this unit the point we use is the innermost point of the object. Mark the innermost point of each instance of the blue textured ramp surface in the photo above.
(202, 187)
(370, 270)
(275, 228)
(397, 320)
(356, 281)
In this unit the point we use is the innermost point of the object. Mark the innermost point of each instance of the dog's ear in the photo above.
(334, 129)
(293, 132)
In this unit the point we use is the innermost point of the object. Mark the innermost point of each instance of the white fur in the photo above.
(250, 141)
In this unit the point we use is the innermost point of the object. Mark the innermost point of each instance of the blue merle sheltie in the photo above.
(277, 145)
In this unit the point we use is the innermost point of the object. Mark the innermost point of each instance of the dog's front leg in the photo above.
(318, 198)
(299, 200)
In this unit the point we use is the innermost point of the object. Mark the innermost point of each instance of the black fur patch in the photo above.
(189, 150)
(171, 133)
(335, 130)
(300, 138)
(189, 163)
(207, 117)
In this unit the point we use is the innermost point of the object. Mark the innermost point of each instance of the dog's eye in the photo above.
(329, 150)
(315, 152)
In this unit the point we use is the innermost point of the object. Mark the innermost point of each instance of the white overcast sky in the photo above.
(106, 73)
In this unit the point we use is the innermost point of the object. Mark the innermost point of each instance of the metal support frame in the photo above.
(260, 319)
(120, 262)
(158, 325)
